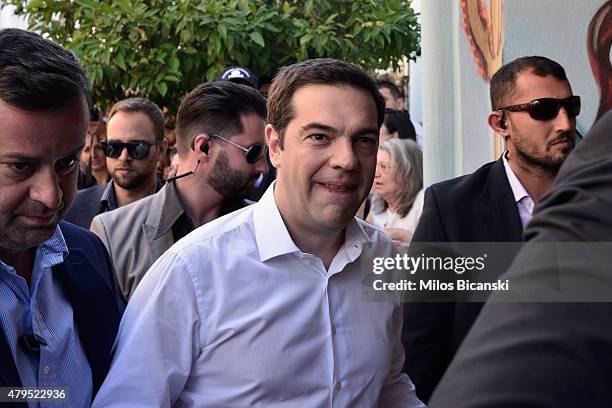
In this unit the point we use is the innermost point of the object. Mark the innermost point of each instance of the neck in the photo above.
(392, 203)
(323, 244)
(22, 261)
(125, 197)
(537, 181)
(200, 201)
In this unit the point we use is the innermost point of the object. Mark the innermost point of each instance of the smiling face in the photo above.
(543, 144)
(38, 171)
(326, 167)
(126, 172)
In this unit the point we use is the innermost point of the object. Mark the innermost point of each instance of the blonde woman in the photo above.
(398, 189)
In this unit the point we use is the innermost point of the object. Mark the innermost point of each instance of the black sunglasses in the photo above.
(253, 153)
(137, 150)
(547, 108)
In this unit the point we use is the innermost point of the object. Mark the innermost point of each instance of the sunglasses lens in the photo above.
(572, 106)
(139, 150)
(112, 149)
(544, 109)
(255, 153)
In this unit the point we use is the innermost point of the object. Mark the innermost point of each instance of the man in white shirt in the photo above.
(534, 110)
(263, 307)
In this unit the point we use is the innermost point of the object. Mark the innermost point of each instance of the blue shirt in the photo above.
(42, 309)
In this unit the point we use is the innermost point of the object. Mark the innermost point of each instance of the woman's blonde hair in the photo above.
(406, 165)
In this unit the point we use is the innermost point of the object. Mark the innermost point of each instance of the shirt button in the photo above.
(46, 370)
(338, 386)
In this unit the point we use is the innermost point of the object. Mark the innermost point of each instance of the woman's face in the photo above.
(385, 183)
(93, 148)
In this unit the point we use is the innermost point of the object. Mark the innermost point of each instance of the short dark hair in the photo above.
(394, 89)
(36, 74)
(321, 71)
(216, 107)
(503, 82)
(144, 105)
(399, 121)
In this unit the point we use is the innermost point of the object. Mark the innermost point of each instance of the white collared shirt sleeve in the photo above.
(158, 339)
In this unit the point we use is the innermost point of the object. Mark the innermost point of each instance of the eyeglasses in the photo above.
(137, 150)
(253, 153)
(547, 108)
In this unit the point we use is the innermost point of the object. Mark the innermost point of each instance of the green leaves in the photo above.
(162, 49)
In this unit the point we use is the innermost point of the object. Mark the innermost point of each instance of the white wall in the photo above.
(9, 20)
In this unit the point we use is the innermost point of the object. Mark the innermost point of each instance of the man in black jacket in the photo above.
(535, 111)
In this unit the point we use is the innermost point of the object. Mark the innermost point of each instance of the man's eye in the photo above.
(66, 165)
(367, 140)
(318, 137)
(20, 167)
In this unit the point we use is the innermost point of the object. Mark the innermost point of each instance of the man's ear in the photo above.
(199, 143)
(163, 146)
(497, 121)
(400, 104)
(273, 141)
(395, 135)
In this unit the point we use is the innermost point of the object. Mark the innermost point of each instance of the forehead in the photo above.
(42, 134)
(128, 126)
(385, 92)
(383, 156)
(342, 107)
(530, 86)
(253, 130)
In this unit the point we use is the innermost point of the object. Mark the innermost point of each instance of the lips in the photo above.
(40, 220)
(338, 186)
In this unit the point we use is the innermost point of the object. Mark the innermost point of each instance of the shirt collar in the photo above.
(273, 238)
(50, 253)
(518, 190)
(271, 234)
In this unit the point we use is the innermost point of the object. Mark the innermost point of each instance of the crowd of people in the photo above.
(216, 260)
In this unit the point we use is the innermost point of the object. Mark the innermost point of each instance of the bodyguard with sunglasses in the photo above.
(220, 139)
(535, 111)
(135, 144)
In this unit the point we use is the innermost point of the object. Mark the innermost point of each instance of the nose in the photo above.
(343, 155)
(261, 166)
(46, 188)
(124, 155)
(563, 122)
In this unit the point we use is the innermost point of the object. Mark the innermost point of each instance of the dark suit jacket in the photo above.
(479, 207)
(87, 204)
(89, 283)
(547, 354)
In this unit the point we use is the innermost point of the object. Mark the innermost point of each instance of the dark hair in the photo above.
(503, 82)
(322, 71)
(216, 107)
(149, 108)
(394, 89)
(399, 121)
(37, 74)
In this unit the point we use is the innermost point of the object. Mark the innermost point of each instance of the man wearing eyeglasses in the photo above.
(220, 140)
(135, 143)
(535, 111)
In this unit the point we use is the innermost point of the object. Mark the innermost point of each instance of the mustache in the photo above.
(564, 137)
(36, 209)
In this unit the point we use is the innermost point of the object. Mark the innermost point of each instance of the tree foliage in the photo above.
(164, 48)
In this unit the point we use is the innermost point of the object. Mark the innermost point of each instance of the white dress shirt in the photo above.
(524, 202)
(235, 315)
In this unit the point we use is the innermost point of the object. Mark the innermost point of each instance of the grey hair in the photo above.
(406, 162)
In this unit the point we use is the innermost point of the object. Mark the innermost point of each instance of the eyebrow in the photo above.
(327, 128)
(22, 157)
